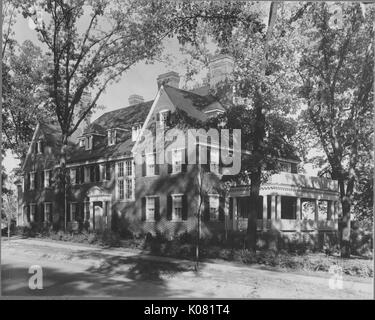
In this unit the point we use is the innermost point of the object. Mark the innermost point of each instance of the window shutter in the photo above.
(143, 165)
(208, 159)
(42, 179)
(158, 116)
(35, 180)
(294, 168)
(169, 161)
(157, 170)
(68, 212)
(169, 118)
(221, 209)
(82, 174)
(183, 159)
(143, 209)
(169, 207)
(108, 171)
(42, 146)
(184, 207)
(231, 208)
(157, 209)
(41, 215)
(97, 173)
(206, 210)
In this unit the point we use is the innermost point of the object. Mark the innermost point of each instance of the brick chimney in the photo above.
(220, 68)
(171, 78)
(135, 99)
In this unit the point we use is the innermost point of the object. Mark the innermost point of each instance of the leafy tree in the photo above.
(22, 96)
(336, 69)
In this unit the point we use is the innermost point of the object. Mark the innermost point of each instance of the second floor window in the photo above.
(120, 169)
(150, 164)
(177, 161)
(128, 165)
(88, 145)
(129, 189)
(150, 208)
(47, 178)
(121, 190)
(32, 180)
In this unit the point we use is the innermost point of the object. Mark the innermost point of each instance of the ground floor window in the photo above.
(129, 189)
(150, 208)
(73, 211)
(87, 210)
(177, 204)
(213, 202)
(32, 211)
(121, 190)
(48, 211)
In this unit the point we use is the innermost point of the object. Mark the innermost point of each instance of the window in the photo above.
(111, 137)
(150, 208)
(121, 192)
(39, 147)
(32, 180)
(87, 210)
(41, 181)
(87, 174)
(77, 175)
(47, 178)
(129, 189)
(73, 211)
(285, 167)
(150, 164)
(32, 211)
(73, 175)
(128, 168)
(82, 142)
(214, 207)
(177, 207)
(176, 161)
(120, 167)
(214, 163)
(47, 211)
(107, 171)
(164, 118)
(135, 132)
(88, 145)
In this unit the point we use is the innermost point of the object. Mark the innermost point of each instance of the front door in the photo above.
(98, 219)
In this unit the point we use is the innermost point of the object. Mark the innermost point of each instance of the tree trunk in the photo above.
(344, 228)
(63, 177)
(253, 211)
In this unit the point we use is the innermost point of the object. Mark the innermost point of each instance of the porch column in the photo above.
(330, 210)
(226, 212)
(316, 217)
(298, 209)
(273, 207)
(91, 219)
(234, 213)
(265, 209)
(278, 208)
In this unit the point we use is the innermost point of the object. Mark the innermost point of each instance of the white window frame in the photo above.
(47, 176)
(119, 183)
(111, 137)
(88, 144)
(32, 211)
(128, 168)
(215, 160)
(150, 216)
(47, 214)
(71, 211)
(216, 198)
(150, 167)
(82, 142)
(32, 180)
(177, 216)
(163, 116)
(285, 166)
(120, 169)
(177, 160)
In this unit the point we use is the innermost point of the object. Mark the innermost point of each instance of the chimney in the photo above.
(135, 99)
(171, 78)
(220, 68)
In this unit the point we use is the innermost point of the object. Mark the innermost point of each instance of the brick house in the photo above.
(109, 189)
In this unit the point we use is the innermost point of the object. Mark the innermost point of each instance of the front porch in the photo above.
(288, 202)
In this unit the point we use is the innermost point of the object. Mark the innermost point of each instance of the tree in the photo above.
(22, 96)
(336, 69)
(91, 43)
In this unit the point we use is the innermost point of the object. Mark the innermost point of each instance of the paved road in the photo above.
(70, 270)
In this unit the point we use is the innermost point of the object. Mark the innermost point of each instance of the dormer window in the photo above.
(39, 147)
(88, 145)
(82, 142)
(135, 132)
(111, 137)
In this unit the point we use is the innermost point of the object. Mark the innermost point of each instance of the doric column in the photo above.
(278, 208)
(91, 215)
(226, 212)
(316, 211)
(330, 210)
(265, 210)
(298, 209)
(273, 207)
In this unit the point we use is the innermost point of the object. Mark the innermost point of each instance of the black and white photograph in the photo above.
(187, 150)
